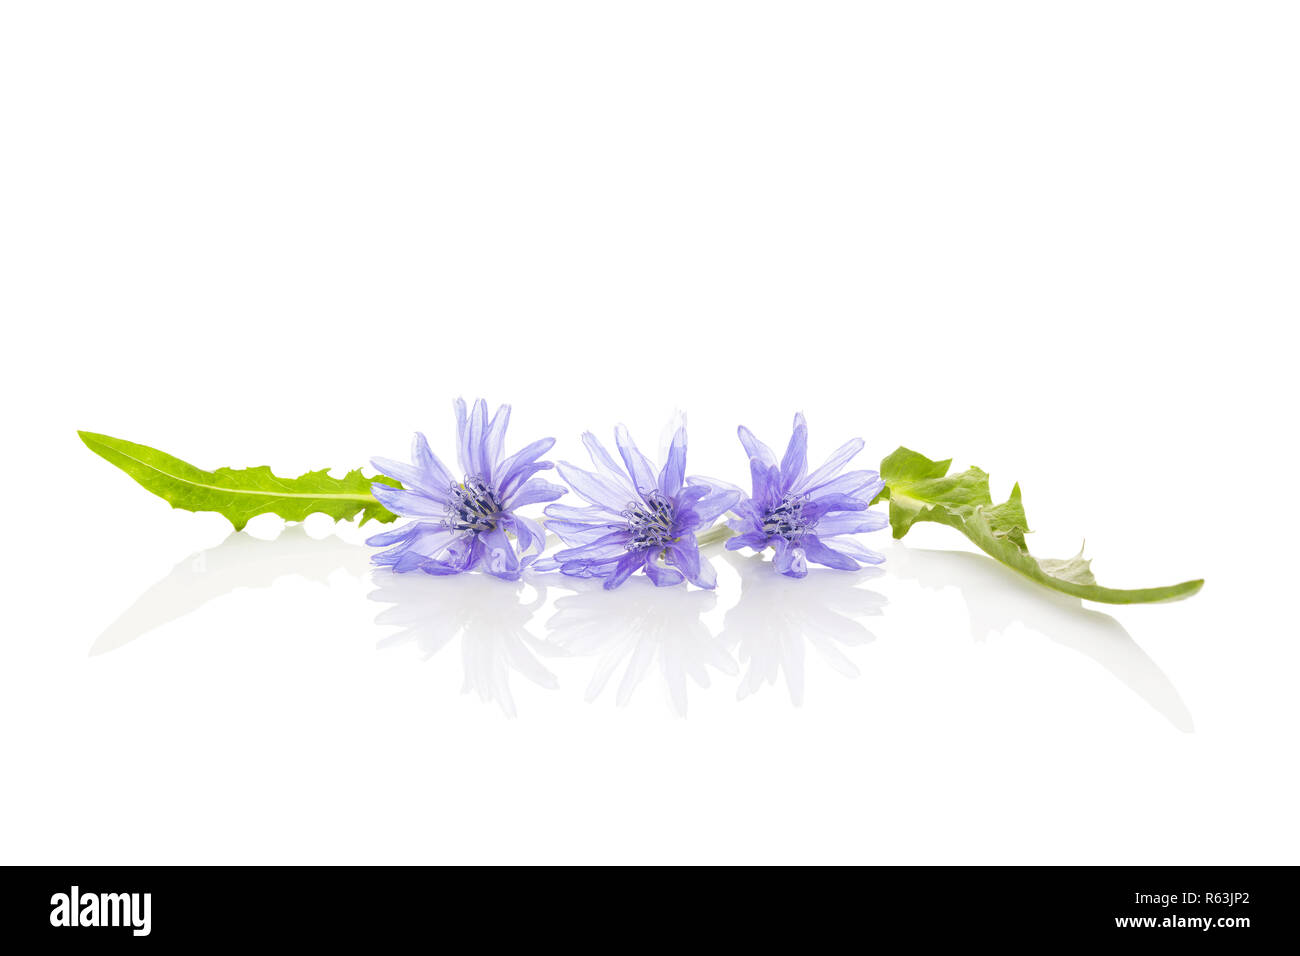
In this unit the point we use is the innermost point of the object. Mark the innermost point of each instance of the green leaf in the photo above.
(241, 494)
(919, 489)
(907, 465)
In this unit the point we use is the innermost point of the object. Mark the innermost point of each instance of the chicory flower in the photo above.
(637, 519)
(466, 524)
(801, 515)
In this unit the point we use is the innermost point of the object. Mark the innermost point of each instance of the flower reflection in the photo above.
(648, 628)
(490, 616)
(776, 615)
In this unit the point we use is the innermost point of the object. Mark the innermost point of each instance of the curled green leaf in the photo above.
(919, 489)
(241, 494)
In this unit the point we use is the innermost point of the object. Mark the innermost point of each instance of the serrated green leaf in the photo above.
(903, 464)
(241, 494)
(909, 499)
(907, 465)
(919, 489)
(1008, 520)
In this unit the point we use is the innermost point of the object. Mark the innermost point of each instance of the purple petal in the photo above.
(417, 540)
(590, 569)
(689, 495)
(716, 503)
(685, 554)
(661, 575)
(462, 435)
(794, 466)
(508, 474)
(530, 534)
(789, 559)
(674, 472)
(585, 515)
(747, 511)
(756, 540)
(412, 478)
(595, 489)
(534, 491)
(385, 538)
(686, 521)
(422, 457)
(817, 551)
(763, 479)
(415, 562)
(468, 553)
(624, 568)
(606, 546)
(574, 533)
(605, 464)
(851, 522)
(474, 439)
(638, 466)
(423, 538)
(722, 497)
(833, 465)
(755, 448)
(494, 441)
(448, 552)
(411, 503)
(499, 557)
(706, 577)
(870, 489)
(521, 475)
(858, 552)
(861, 484)
(815, 509)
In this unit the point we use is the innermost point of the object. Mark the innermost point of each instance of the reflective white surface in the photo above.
(278, 687)
(639, 629)
(1056, 243)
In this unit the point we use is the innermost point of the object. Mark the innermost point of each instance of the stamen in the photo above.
(787, 519)
(650, 522)
(474, 506)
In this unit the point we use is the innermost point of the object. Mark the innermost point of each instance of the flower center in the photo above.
(787, 519)
(474, 506)
(650, 522)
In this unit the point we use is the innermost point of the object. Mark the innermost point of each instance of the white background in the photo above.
(1057, 241)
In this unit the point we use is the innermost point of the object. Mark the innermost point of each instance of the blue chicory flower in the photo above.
(797, 513)
(462, 525)
(636, 519)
